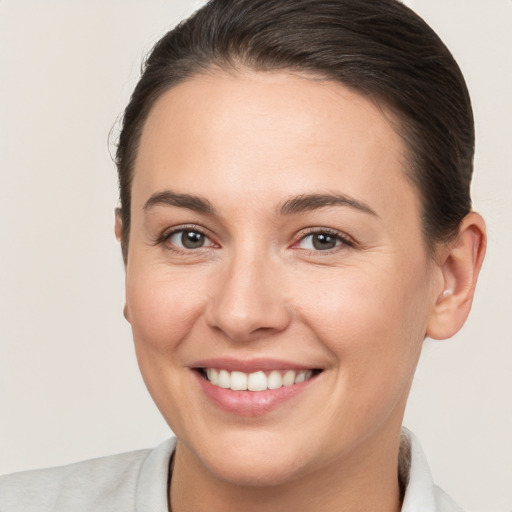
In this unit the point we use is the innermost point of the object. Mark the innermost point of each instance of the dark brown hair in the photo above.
(380, 48)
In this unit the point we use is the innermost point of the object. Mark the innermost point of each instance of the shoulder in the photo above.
(107, 483)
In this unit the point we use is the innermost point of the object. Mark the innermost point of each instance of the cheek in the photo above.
(162, 307)
(373, 320)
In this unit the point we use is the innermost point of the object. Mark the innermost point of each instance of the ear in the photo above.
(118, 226)
(459, 262)
(118, 229)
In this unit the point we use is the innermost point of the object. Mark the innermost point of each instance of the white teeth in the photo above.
(238, 381)
(300, 377)
(213, 376)
(224, 379)
(256, 381)
(274, 380)
(289, 378)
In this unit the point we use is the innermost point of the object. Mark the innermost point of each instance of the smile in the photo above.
(255, 381)
(253, 387)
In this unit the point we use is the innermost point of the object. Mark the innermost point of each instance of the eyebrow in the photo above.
(308, 202)
(188, 201)
(294, 205)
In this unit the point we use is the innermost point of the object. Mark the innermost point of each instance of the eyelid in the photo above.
(165, 236)
(345, 239)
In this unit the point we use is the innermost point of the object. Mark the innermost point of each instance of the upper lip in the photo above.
(250, 365)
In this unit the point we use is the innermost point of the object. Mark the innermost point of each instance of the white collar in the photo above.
(421, 494)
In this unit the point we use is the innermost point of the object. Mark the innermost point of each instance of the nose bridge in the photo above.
(249, 298)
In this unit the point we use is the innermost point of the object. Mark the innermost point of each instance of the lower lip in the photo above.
(250, 403)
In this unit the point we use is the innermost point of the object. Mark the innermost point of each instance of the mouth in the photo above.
(252, 388)
(256, 381)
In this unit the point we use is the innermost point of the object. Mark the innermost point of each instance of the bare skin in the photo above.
(271, 219)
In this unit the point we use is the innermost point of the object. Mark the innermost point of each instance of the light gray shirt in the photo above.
(137, 482)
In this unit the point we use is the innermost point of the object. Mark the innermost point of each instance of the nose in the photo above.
(249, 301)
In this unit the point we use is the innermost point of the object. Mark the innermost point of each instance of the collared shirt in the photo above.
(421, 494)
(138, 481)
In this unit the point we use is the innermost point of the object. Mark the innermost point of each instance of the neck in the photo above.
(366, 480)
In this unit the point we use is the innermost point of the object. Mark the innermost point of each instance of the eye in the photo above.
(321, 241)
(189, 239)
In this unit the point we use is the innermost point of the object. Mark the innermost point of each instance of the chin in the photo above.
(254, 460)
(249, 473)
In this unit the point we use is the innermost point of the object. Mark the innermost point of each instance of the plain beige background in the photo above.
(69, 383)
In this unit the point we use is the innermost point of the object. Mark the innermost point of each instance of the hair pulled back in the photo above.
(380, 48)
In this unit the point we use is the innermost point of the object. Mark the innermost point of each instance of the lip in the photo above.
(250, 403)
(249, 366)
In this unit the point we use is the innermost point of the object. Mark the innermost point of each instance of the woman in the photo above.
(295, 219)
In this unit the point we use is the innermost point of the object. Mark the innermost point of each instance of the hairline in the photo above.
(237, 67)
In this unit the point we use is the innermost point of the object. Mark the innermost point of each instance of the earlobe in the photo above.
(126, 313)
(460, 265)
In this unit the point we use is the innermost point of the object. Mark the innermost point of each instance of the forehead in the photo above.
(267, 133)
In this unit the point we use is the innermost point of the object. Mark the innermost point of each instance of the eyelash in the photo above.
(164, 239)
(345, 241)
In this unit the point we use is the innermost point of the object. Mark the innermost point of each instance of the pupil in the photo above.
(323, 242)
(192, 239)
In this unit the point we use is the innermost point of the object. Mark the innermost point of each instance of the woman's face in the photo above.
(275, 236)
